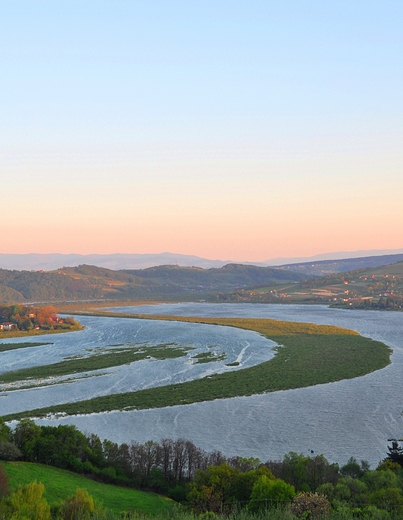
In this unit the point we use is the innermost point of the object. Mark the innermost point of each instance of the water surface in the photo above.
(347, 418)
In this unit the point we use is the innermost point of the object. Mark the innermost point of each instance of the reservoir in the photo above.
(348, 418)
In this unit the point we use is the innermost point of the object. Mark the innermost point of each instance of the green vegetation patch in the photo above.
(100, 360)
(307, 355)
(208, 357)
(60, 484)
(14, 346)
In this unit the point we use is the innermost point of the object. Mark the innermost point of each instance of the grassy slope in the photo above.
(60, 484)
(308, 355)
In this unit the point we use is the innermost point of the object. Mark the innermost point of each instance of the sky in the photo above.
(224, 129)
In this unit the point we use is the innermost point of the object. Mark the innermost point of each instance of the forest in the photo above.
(204, 483)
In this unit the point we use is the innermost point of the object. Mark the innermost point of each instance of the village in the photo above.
(29, 318)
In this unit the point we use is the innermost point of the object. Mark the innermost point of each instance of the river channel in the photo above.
(348, 418)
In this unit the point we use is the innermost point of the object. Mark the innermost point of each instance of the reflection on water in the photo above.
(348, 418)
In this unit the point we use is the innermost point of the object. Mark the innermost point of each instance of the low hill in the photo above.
(372, 288)
(60, 484)
(325, 267)
(86, 282)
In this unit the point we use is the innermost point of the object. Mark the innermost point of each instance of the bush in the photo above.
(9, 451)
(310, 505)
(80, 506)
(28, 502)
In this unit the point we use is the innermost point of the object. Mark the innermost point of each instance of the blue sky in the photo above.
(242, 130)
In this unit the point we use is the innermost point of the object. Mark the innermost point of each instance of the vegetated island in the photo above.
(307, 355)
(28, 320)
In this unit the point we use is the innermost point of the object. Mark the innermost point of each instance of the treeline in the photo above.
(210, 481)
(28, 317)
(391, 303)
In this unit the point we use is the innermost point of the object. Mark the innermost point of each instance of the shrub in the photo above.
(80, 506)
(28, 502)
(310, 505)
(9, 451)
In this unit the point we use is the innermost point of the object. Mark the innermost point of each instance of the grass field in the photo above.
(60, 484)
(307, 355)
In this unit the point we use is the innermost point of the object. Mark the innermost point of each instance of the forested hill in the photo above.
(329, 267)
(90, 282)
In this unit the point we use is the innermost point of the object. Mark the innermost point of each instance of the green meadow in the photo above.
(60, 484)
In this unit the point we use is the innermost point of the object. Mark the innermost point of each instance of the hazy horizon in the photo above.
(237, 131)
(51, 261)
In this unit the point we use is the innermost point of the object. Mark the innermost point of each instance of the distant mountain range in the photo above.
(49, 262)
(339, 255)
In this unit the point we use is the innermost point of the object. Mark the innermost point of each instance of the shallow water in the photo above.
(348, 418)
(244, 347)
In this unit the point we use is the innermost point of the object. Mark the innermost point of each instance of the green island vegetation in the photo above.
(207, 357)
(306, 355)
(100, 359)
(29, 320)
(60, 473)
(15, 346)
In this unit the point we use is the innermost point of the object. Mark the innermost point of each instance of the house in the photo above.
(7, 325)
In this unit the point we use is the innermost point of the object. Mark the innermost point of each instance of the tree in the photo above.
(388, 498)
(25, 436)
(269, 492)
(395, 453)
(4, 431)
(388, 464)
(213, 487)
(352, 468)
(9, 451)
(376, 480)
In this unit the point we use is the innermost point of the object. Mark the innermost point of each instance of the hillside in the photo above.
(376, 288)
(60, 484)
(89, 282)
(326, 267)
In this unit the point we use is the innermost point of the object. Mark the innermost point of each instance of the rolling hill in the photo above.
(371, 288)
(87, 282)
